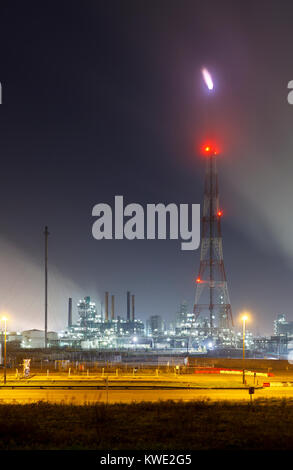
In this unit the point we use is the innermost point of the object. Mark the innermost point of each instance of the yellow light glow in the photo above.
(245, 316)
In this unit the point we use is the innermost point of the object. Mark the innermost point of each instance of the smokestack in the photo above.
(132, 304)
(69, 312)
(106, 306)
(112, 307)
(128, 306)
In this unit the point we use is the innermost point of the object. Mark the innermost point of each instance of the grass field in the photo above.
(198, 425)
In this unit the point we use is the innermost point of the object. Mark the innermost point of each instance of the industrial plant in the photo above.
(100, 329)
(95, 329)
(207, 329)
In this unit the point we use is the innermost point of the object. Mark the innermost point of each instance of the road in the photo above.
(90, 395)
(80, 397)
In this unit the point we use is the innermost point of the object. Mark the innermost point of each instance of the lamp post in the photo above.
(244, 318)
(5, 321)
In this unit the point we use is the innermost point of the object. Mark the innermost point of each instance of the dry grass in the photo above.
(198, 425)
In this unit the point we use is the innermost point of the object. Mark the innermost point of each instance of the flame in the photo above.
(208, 79)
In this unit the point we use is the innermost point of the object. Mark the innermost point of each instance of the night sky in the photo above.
(105, 98)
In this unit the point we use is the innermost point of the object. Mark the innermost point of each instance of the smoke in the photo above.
(22, 291)
(260, 176)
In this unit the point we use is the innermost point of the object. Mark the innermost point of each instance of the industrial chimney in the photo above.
(106, 306)
(132, 311)
(69, 312)
(112, 307)
(128, 306)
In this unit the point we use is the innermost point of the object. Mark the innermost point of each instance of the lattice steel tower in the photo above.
(212, 308)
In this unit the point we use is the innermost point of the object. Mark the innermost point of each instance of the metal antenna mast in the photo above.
(46, 233)
(212, 303)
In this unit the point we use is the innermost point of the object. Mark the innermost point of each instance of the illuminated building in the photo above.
(155, 325)
(36, 338)
(283, 327)
(93, 331)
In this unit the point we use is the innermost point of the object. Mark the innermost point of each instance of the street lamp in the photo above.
(5, 321)
(244, 319)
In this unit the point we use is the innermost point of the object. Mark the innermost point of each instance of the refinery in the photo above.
(207, 329)
(146, 232)
(100, 329)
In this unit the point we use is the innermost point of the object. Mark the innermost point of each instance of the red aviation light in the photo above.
(219, 213)
(209, 149)
(198, 280)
